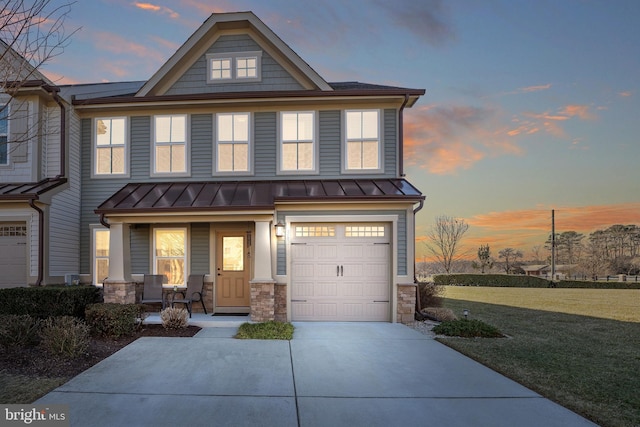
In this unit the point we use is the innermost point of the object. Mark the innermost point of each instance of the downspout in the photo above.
(401, 136)
(415, 211)
(61, 176)
(40, 241)
(104, 222)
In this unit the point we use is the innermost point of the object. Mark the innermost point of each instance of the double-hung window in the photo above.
(110, 149)
(170, 144)
(232, 142)
(170, 254)
(4, 134)
(100, 255)
(298, 141)
(362, 146)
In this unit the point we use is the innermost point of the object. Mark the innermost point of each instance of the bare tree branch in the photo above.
(444, 240)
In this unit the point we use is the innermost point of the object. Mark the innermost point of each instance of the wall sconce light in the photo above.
(279, 229)
(465, 313)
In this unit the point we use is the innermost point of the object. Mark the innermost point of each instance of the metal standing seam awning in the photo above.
(172, 197)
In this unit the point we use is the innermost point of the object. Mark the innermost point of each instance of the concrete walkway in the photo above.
(330, 374)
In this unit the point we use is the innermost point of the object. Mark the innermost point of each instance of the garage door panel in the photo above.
(350, 280)
(13, 255)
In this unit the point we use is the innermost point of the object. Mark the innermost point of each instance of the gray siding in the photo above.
(200, 248)
(140, 149)
(390, 141)
(274, 76)
(202, 142)
(330, 142)
(140, 247)
(265, 140)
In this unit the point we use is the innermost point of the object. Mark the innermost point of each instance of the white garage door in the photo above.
(340, 272)
(13, 255)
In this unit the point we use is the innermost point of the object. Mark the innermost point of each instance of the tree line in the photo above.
(614, 250)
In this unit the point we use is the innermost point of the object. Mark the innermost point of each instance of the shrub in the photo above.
(496, 280)
(430, 294)
(114, 320)
(174, 318)
(18, 330)
(266, 331)
(65, 336)
(48, 301)
(467, 329)
(439, 314)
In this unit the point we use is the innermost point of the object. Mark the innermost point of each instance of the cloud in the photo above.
(551, 122)
(529, 89)
(429, 20)
(583, 219)
(445, 139)
(580, 111)
(625, 94)
(159, 9)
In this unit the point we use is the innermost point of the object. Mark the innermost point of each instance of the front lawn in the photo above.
(590, 365)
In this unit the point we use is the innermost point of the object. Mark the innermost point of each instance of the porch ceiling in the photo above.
(250, 195)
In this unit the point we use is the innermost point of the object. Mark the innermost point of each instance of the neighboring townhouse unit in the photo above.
(237, 161)
(39, 178)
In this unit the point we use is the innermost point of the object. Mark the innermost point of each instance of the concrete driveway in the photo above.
(330, 374)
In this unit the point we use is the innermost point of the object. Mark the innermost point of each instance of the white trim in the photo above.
(187, 251)
(315, 169)
(233, 57)
(343, 148)
(94, 149)
(187, 148)
(393, 239)
(92, 244)
(250, 145)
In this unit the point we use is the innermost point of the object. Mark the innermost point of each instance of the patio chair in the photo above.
(152, 291)
(195, 286)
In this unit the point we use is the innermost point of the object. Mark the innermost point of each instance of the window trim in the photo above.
(345, 160)
(216, 165)
(314, 150)
(154, 257)
(234, 57)
(187, 147)
(94, 157)
(6, 109)
(94, 257)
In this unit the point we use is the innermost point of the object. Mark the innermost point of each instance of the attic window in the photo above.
(234, 67)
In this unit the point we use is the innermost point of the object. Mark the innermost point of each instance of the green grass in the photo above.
(467, 328)
(590, 365)
(21, 388)
(266, 331)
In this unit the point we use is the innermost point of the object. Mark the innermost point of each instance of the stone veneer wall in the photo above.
(262, 302)
(119, 292)
(406, 303)
(281, 302)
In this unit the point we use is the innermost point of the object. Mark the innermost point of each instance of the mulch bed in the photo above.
(33, 361)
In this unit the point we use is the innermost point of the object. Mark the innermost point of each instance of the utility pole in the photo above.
(553, 244)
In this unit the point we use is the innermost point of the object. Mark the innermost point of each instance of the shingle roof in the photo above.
(251, 195)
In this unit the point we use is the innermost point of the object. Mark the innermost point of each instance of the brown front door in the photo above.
(232, 280)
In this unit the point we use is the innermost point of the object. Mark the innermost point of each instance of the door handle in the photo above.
(341, 271)
(337, 270)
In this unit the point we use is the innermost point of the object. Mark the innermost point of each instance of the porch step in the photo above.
(205, 320)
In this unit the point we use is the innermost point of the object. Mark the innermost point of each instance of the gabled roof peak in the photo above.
(207, 33)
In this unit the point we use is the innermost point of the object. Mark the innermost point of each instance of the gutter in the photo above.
(415, 211)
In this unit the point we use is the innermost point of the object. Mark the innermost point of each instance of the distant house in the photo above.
(235, 160)
(544, 270)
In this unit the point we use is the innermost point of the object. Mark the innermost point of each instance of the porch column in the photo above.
(119, 287)
(262, 283)
(262, 253)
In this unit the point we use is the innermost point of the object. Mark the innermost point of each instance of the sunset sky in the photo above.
(530, 105)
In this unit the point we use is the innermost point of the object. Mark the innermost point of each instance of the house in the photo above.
(544, 270)
(236, 160)
(39, 188)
